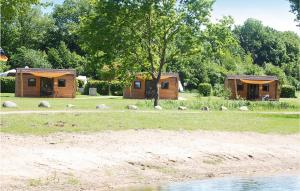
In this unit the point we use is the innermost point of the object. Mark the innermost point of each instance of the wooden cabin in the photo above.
(253, 87)
(38, 82)
(143, 87)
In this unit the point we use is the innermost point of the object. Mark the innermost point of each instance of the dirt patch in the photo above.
(113, 160)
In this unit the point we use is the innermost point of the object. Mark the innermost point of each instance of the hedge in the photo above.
(103, 87)
(204, 89)
(288, 91)
(7, 84)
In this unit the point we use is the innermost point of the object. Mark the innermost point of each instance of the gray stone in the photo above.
(9, 104)
(223, 108)
(158, 107)
(93, 91)
(132, 107)
(70, 105)
(205, 108)
(244, 108)
(44, 104)
(102, 106)
(182, 108)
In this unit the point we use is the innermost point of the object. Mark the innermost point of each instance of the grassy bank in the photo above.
(91, 122)
(191, 101)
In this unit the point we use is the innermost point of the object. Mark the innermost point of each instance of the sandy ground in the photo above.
(123, 159)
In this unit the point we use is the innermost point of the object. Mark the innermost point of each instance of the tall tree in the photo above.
(295, 8)
(67, 18)
(13, 8)
(142, 32)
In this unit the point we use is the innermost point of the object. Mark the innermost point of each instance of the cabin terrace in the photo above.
(39, 82)
(252, 87)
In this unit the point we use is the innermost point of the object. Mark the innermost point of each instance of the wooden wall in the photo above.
(170, 93)
(29, 91)
(273, 89)
(69, 90)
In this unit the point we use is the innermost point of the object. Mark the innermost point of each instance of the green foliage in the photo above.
(220, 91)
(28, 29)
(13, 8)
(7, 84)
(79, 83)
(66, 17)
(103, 87)
(205, 89)
(29, 57)
(3, 66)
(62, 57)
(276, 71)
(295, 8)
(288, 91)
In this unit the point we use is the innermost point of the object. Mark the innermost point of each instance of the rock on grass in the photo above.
(9, 104)
(45, 104)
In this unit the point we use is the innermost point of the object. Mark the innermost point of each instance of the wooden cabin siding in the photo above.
(273, 89)
(28, 91)
(170, 93)
(131, 92)
(67, 91)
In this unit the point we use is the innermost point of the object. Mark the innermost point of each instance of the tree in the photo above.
(62, 57)
(67, 18)
(29, 57)
(27, 29)
(295, 8)
(264, 43)
(142, 32)
(13, 8)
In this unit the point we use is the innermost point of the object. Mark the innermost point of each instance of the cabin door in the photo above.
(150, 89)
(46, 87)
(253, 91)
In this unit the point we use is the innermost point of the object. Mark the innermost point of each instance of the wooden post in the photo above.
(21, 83)
(235, 88)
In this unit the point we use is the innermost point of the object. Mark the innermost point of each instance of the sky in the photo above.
(273, 13)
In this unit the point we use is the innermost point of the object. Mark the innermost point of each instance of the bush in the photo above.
(204, 89)
(288, 91)
(103, 87)
(80, 83)
(7, 84)
(218, 90)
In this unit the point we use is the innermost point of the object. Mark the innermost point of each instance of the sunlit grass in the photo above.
(91, 122)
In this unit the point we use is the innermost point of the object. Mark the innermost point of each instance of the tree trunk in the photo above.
(156, 93)
(109, 91)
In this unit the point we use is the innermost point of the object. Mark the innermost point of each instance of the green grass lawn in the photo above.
(191, 101)
(113, 120)
(119, 118)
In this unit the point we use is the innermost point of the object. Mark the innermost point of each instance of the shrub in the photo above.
(80, 83)
(103, 87)
(204, 89)
(7, 84)
(218, 90)
(288, 91)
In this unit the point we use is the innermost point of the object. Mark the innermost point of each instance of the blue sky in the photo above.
(273, 13)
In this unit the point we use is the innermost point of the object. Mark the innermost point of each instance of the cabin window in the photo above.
(61, 83)
(165, 85)
(265, 87)
(240, 87)
(32, 82)
(137, 85)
